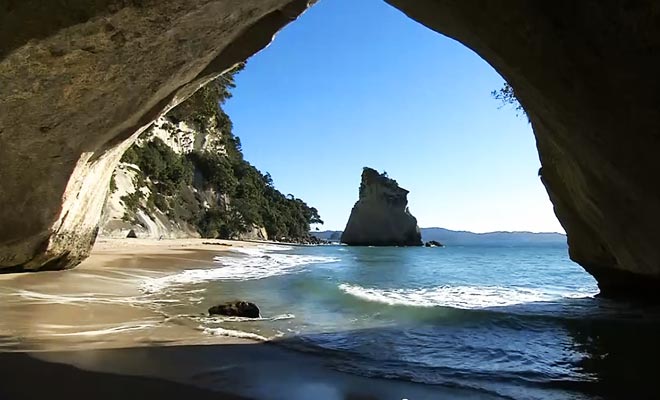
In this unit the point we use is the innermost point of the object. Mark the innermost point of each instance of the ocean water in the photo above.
(518, 322)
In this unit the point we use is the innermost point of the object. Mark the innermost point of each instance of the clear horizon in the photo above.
(322, 229)
(351, 84)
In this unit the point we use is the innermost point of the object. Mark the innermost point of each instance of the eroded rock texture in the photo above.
(381, 217)
(78, 79)
(586, 73)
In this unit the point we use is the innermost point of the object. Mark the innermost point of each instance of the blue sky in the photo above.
(356, 83)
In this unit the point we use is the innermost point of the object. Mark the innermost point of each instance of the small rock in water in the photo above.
(434, 243)
(236, 309)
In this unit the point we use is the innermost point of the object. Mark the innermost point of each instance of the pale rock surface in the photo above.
(152, 225)
(182, 137)
(79, 81)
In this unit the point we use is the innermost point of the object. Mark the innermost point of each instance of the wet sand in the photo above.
(92, 332)
(100, 304)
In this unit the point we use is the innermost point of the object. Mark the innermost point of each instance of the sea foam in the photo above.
(464, 297)
(257, 263)
(233, 333)
(221, 318)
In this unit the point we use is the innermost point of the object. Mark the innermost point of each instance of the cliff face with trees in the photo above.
(186, 176)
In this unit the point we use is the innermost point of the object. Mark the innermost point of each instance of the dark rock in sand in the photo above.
(131, 234)
(236, 309)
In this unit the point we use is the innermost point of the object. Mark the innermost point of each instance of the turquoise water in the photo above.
(520, 322)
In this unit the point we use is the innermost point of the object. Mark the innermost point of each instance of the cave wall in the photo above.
(80, 78)
(585, 72)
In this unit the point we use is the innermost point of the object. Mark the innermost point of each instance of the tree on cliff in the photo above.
(248, 197)
(507, 96)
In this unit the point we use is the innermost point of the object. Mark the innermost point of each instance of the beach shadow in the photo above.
(228, 371)
(615, 344)
(615, 353)
(25, 377)
(622, 356)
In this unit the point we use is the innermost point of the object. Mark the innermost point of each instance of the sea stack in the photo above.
(381, 216)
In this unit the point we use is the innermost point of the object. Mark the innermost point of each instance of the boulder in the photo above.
(381, 216)
(236, 309)
(433, 243)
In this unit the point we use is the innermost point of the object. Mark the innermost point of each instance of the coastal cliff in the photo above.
(381, 216)
(79, 82)
(136, 204)
(186, 177)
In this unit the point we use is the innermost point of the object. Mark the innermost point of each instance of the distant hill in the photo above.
(465, 238)
(330, 236)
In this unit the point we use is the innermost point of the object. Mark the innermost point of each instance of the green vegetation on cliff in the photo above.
(181, 185)
(507, 97)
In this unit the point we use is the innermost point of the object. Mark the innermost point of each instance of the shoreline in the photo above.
(71, 304)
(101, 303)
(294, 244)
(90, 330)
(130, 319)
(163, 247)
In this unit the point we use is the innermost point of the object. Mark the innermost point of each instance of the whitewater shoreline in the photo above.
(102, 302)
(56, 327)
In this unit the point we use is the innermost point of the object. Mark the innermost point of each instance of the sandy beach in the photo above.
(94, 307)
(100, 303)
(92, 331)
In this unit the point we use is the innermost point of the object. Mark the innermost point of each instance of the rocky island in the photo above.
(381, 217)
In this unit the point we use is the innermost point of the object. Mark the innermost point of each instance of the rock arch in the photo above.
(79, 79)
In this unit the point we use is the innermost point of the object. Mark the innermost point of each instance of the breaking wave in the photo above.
(261, 262)
(463, 297)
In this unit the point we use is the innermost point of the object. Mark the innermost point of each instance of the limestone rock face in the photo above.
(79, 81)
(150, 222)
(381, 216)
(586, 74)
